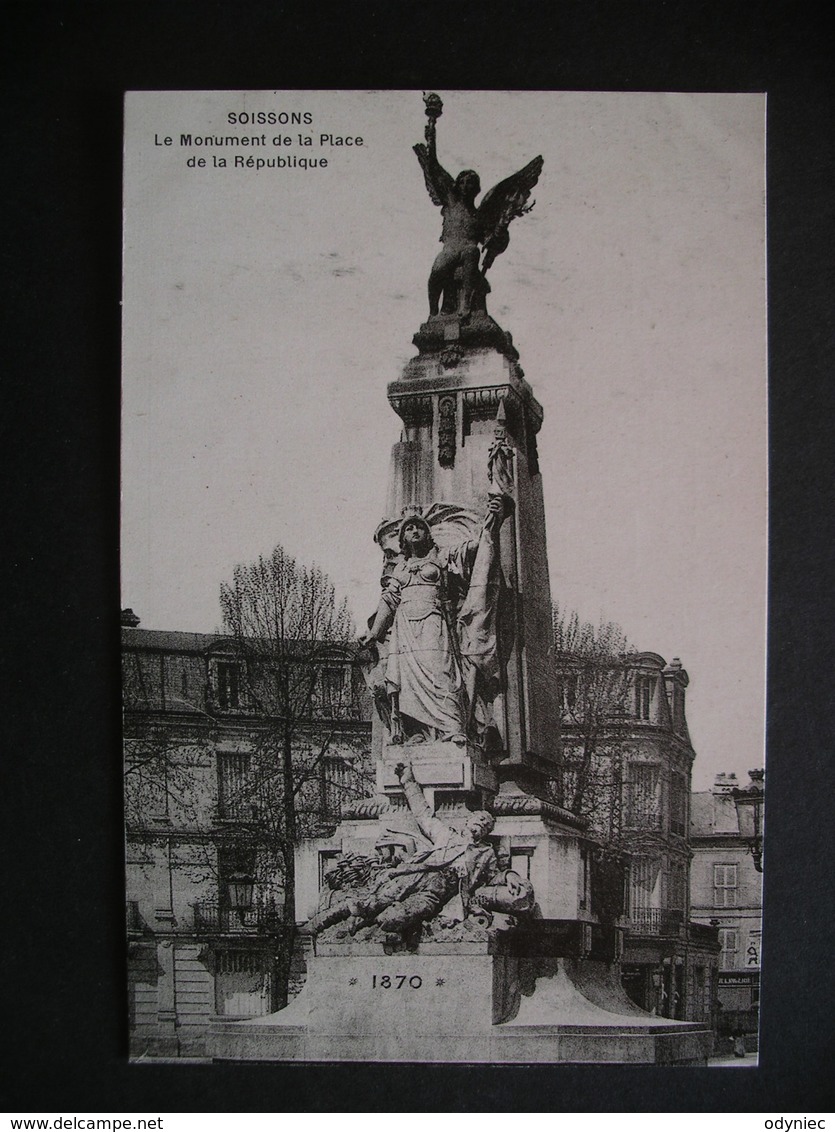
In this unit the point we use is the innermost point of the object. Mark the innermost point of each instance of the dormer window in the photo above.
(644, 688)
(333, 685)
(227, 683)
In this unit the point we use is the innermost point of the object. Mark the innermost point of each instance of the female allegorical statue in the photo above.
(441, 666)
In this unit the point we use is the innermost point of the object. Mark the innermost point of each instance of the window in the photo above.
(644, 688)
(233, 860)
(337, 784)
(333, 690)
(234, 786)
(724, 886)
(570, 690)
(642, 875)
(228, 684)
(729, 940)
(643, 797)
(677, 899)
(678, 804)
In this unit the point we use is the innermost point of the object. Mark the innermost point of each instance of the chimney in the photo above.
(676, 680)
(724, 783)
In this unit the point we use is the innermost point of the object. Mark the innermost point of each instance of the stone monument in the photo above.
(453, 915)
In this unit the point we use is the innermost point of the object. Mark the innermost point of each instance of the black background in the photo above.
(64, 69)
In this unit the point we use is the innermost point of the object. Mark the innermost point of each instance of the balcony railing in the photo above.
(213, 918)
(654, 922)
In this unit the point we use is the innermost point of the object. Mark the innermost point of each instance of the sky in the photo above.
(266, 309)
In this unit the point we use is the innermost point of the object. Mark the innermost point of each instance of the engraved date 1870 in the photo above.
(395, 982)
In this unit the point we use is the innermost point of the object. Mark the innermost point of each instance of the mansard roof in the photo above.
(199, 644)
(712, 813)
(650, 659)
(167, 640)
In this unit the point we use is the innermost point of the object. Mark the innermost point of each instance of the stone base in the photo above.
(459, 1003)
(456, 773)
(146, 1042)
(473, 331)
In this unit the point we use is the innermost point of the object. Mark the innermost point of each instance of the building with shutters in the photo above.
(627, 766)
(198, 807)
(726, 892)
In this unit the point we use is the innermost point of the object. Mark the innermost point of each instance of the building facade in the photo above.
(201, 798)
(726, 892)
(202, 807)
(627, 763)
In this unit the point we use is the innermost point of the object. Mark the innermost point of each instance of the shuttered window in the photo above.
(724, 886)
(728, 957)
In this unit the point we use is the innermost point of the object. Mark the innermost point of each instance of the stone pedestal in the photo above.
(458, 1003)
(455, 775)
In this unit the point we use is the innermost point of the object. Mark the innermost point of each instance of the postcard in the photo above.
(444, 575)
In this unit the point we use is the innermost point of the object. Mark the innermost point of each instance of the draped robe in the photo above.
(433, 672)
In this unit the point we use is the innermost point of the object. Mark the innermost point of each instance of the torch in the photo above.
(434, 109)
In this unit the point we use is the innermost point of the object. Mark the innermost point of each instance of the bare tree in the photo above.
(161, 767)
(595, 674)
(283, 693)
(595, 687)
(294, 643)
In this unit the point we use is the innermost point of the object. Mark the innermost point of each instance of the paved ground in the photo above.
(722, 1060)
(729, 1061)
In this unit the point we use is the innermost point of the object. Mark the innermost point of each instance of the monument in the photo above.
(460, 915)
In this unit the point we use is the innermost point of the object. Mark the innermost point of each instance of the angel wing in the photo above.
(503, 203)
(439, 183)
(450, 524)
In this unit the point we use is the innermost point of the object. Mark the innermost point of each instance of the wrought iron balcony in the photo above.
(654, 922)
(211, 918)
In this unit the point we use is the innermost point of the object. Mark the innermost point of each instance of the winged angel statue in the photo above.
(457, 282)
